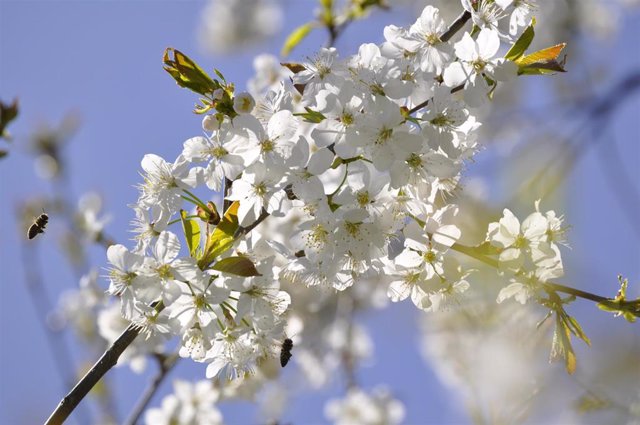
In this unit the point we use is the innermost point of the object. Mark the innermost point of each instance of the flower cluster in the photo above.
(189, 404)
(529, 251)
(358, 407)
(229, 24)
(357, 157)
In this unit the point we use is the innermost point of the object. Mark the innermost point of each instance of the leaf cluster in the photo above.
(620, 306)
(217, 94)
(541, 62)
(207, 250)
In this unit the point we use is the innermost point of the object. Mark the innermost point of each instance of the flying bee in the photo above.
(38, 225)
(285, 352)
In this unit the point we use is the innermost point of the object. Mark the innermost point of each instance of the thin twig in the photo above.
(165, 365)
(244, 230)
(227, 190)
(102, 366)
(110, 357)
(455, 26)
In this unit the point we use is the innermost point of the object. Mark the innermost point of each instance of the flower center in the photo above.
(520, 242)
(432, 39)
(478, 65)
(318, 236)
(218, 152)
(384, 135)
(441, 120)
(430, 256)
(353, 229)
(267, 145)
(363, 198)
(260, 189)
(376, 88)
(414, 161)
(164, 272)
(346, 118)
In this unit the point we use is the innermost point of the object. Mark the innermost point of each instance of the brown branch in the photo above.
(455, 26)
(110, 357)
(108, 360)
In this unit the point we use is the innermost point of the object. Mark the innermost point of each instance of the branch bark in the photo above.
(102, 366)
(455, 26)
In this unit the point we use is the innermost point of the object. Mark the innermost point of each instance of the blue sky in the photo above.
(103, 60)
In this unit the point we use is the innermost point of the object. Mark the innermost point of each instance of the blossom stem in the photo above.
(180, 219)
(165, 364)
(426, 102)
(194, 199)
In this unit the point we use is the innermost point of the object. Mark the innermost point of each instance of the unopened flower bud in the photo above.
(210, 123)
(243, 103)
(210, 215)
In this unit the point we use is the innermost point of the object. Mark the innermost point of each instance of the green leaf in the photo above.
(311, 116)
(522, 44)
(542, 62)
(296, 37)
(561, 347)
(191, 233)
(219, 74)
(187, 73)
(575, 328)
(221, 239)
(239, 266)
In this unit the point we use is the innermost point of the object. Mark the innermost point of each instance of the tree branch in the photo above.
(455, 26)
(82, 388)
(165, 365)
(473, 253)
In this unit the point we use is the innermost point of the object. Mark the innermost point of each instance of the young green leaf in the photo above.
(561, 347)
(191, 233)
(239, 266)
(542, 62)
(296, 37)
(522, 44)
(187, 73)
(311, 116)
(222, 237)
(575, 328)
